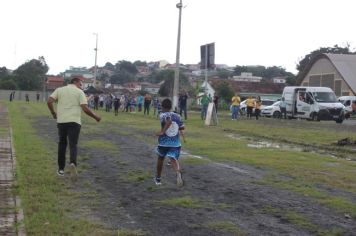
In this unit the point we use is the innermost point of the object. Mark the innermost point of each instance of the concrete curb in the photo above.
(19, 218)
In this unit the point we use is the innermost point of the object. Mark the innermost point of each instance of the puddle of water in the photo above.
(265, 144)
(286, 147)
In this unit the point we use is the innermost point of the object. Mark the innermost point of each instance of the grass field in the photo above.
(49, 203)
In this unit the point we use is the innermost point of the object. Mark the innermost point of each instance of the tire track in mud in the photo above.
(226, 192)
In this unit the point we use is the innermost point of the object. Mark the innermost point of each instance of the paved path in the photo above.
(8, 202)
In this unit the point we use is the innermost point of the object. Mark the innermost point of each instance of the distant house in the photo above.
(336, 71)
(54, 82)
(132, 87)
(280, 80)
(247, 77)
(78, 71)
(150, 88)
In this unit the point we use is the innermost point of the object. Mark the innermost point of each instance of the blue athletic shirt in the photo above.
(171, 137)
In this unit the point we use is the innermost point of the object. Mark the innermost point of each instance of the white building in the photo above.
(279, 80)
(247, 77)
(78, 71)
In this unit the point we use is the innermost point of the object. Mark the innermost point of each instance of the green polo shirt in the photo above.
(69, 99)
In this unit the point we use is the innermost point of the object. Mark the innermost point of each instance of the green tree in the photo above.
(3, 72)
(31, 74)
(166, 88)
(225, 91)
(140, 63)
(124, 72)
(224, 74)
(8, 83)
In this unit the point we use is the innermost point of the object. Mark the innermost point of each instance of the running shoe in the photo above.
(179, 179)
(157, 181)
(73, 172)
(60, 173)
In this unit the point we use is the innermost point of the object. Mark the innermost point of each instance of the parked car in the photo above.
(265, 102)
(272, 111)
(347, 102)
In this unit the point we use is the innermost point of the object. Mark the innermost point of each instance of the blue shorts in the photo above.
(171, 152)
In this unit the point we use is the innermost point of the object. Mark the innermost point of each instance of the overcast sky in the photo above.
(246, 32)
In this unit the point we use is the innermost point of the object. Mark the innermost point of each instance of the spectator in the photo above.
(139, 102)
(116, 105)
(216, 102)
(283, 107)
(147, 105)
(250, 103)
(183, 98)
(258, 104)
(27, 98)
(204, 101)
(235, 106)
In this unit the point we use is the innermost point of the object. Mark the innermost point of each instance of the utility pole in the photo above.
(96, 58)
(176, 74)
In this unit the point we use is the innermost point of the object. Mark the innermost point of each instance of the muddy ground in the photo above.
(118, 191)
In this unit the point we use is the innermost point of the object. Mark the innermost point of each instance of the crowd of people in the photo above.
(125, 103)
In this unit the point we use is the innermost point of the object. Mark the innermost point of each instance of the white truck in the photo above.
(313, 103)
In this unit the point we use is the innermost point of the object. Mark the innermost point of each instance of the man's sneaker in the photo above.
(73, 172)
(157, 181)
(179, 179)
(60, 172)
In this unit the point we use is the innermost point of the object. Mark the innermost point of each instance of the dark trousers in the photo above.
(183, 109)
(257, 113)
(146, 108)
(67, 132)
(249, 112)
(283, 112)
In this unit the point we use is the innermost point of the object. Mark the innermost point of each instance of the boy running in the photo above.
(169, 144)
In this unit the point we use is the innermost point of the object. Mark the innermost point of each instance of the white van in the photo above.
(347, 102)
(313, 103)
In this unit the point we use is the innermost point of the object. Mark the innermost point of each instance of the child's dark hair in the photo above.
(166, 104)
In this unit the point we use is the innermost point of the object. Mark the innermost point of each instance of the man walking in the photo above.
(71, 100)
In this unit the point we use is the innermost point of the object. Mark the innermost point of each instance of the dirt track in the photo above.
(226, 192)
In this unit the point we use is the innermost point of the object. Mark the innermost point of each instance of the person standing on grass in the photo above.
(216, 102)
(250, 104)
(139, 102)
(147, 104)
(27, 98)
(37, 96)
(71, 101)
(116, 105)
(183, 98)
(96, 102)
(283, 108)
(155, 102)
(204, 101)
(235, 106)
(169, 143)
(258, 104)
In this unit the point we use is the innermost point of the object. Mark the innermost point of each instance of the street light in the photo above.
(176, 74)
(96, 58)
